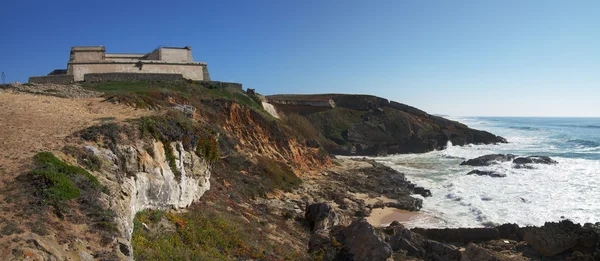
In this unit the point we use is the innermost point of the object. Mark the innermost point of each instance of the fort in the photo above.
(93, 64)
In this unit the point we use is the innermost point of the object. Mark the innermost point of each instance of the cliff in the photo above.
(370, 125)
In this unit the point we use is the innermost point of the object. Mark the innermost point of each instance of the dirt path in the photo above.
(32, 123)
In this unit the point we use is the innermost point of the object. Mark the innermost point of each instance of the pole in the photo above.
(3, 78)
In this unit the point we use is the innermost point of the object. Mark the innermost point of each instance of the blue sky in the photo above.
(463, 58)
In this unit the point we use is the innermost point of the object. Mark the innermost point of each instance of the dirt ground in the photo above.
(32, 123)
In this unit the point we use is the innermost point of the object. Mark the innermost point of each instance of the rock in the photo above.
(474, 252)
(522, 166)
(416, 245)
(422, 191)
(553, 238)
(318, 240)
(464, 235)
(321, 216)
(489, 159)
(510, 231)
(535, 160)
(442, 252)
(187, 110)
(360, 242)
(492, 174)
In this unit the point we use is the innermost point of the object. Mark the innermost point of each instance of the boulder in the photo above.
(553, 238)
(464, 235)
(321, 216)
(360, 242)
(489, 159)
(492, 174)
(534, 160)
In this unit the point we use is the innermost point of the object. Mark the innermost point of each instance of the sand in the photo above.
(381, 217)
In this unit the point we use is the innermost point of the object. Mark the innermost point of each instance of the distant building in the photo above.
(162, 63)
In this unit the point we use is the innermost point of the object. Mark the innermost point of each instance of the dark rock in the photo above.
(555, 238)
(321, 216)
(522, 166)
(442, 252)
(535, 160)
(474, 252)
(422, 191)
(492, 174)
(416, 245)
(463, 235)
(510, 231)
(489, 159)
(361, 242)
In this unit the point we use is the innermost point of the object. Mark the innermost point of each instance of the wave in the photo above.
(584, 143)
(524, 128)
(582, 126)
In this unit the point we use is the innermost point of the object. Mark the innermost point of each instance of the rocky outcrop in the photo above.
(535, 160)
(139, 181)
(360, 242)
(492, 174)
(321, 216)
(555, 238)
(370, 125)
(489, 159)
(414, 244)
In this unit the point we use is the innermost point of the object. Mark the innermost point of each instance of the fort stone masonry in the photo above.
(93, 64)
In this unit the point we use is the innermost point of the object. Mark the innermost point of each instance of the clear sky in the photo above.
(462, 58)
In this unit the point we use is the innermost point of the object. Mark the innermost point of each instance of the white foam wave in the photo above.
(526, 196)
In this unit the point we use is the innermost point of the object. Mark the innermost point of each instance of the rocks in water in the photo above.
(534, 160)
(422, 191)
(555, 238)
(321, 216)
(492, 174)
(459, 234)
(489, 159)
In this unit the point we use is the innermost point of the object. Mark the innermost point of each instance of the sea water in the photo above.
(567, 190)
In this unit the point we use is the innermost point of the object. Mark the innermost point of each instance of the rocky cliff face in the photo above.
(370, 125)
(138, 177)
(142, 181)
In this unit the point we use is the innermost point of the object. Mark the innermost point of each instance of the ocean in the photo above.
(567, 190)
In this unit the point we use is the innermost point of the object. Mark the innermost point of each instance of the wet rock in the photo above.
(321, 216)
(464, 235)
(492, 174)
(535, 160)
(360, 242)
(522, 166)
(489, 159)
(422, 191)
